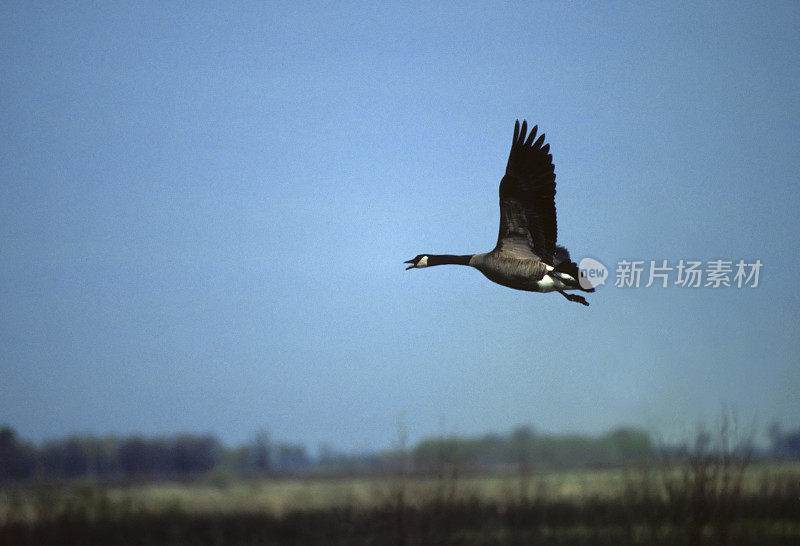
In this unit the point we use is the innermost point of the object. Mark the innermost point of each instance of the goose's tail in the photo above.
(570, 274)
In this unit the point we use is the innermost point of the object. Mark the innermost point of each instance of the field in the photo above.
(716, 503)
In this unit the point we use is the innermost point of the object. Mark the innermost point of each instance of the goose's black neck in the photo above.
(443, 259)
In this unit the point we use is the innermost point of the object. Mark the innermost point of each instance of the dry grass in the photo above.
(697, 497)
(279, 497)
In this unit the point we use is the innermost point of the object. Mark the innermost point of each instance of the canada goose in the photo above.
(526, 256)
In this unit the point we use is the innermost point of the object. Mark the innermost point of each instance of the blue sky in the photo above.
(204, 211)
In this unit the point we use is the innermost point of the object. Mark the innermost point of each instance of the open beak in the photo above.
(410, 266)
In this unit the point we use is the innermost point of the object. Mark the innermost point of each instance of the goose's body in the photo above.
(520, 273)
(526, 256)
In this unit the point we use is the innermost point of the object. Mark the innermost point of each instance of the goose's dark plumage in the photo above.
(526, 256)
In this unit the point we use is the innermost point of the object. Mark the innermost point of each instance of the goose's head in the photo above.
(420, 260)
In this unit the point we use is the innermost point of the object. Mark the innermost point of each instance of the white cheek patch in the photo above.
(423, 262)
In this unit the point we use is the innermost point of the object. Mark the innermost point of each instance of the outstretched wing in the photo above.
(527, 198)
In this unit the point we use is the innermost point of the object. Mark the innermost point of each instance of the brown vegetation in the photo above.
(710, 492)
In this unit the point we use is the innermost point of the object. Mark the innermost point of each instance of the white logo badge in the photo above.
(593, 273)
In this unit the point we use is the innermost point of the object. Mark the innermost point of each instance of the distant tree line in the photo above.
(188, 456)
(785, 445)
(180, 457)
(525, 447)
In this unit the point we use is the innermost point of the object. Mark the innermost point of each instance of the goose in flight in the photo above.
(526, 256)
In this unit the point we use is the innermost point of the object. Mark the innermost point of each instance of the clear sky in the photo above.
(204, 210)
